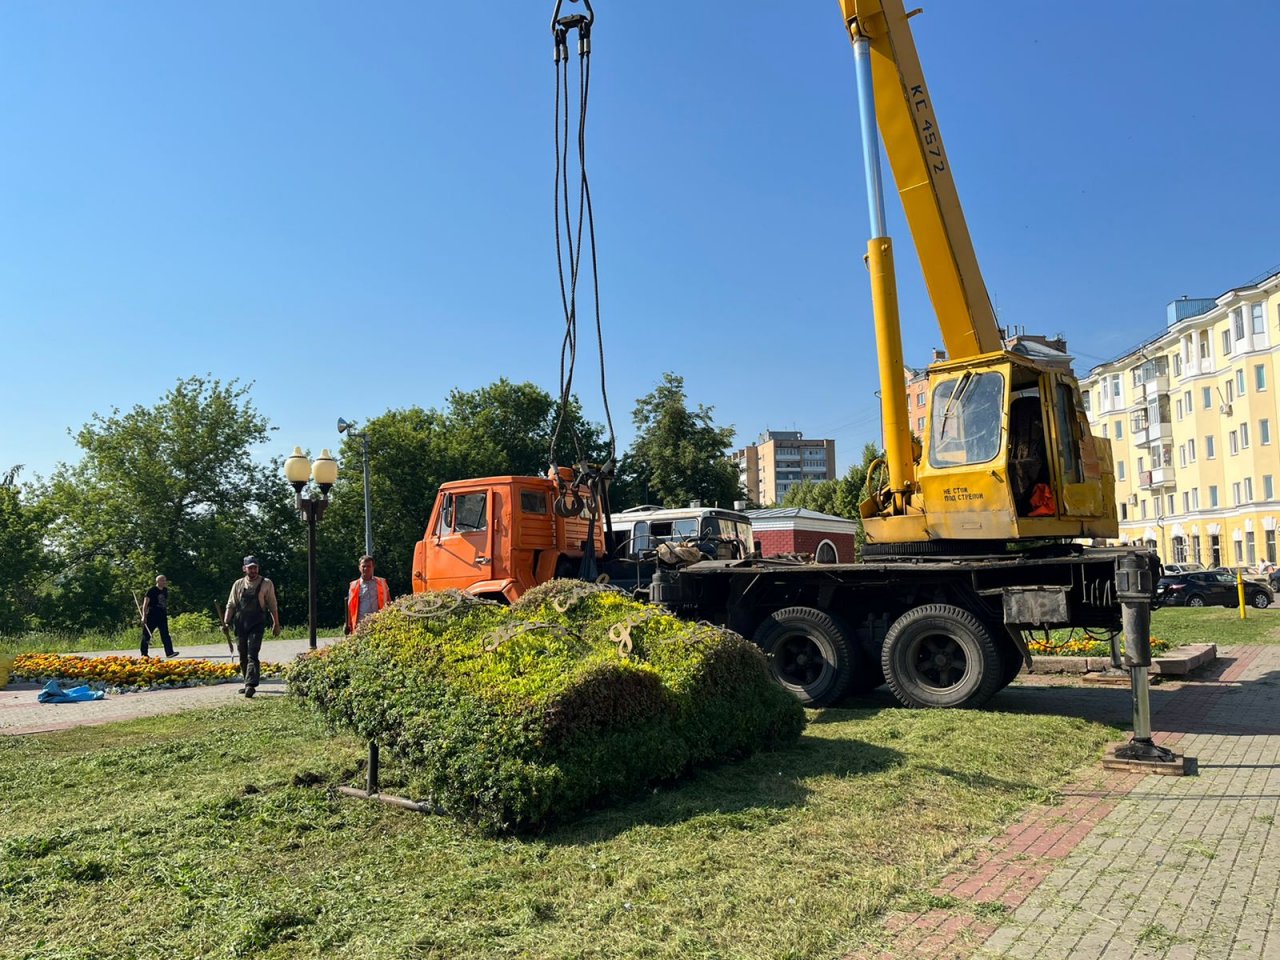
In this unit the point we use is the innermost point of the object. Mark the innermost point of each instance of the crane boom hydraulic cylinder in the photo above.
(884, 294)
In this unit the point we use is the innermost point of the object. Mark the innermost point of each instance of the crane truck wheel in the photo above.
(938, 655)
(809, 653)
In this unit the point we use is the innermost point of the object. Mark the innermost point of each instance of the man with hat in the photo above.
(252, 597)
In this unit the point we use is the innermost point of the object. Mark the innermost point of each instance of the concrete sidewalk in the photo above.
(22, 713)
(1126, 865)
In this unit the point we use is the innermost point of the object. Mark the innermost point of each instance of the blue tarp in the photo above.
(53, 693)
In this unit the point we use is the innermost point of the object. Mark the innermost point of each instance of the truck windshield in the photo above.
(969, 412)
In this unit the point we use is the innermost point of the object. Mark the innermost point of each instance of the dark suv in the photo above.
(1210, 588)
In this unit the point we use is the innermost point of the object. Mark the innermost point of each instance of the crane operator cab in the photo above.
(1007, 456)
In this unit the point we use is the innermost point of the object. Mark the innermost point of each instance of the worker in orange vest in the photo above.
(367, 595)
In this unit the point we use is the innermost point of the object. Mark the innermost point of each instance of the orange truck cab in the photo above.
(499, 536)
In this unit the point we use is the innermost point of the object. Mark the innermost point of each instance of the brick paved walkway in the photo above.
(1125, 865)
(21, 713)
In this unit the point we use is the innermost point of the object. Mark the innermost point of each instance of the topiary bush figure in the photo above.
(512, 718)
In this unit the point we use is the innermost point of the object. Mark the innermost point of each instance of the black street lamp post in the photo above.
(325, 473)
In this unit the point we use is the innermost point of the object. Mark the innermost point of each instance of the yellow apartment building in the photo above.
(1192, 416)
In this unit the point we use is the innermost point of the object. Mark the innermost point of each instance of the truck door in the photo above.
(462, 553)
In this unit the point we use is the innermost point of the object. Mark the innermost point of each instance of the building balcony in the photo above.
(1156, 478)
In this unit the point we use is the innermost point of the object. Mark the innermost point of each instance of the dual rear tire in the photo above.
(936, 655)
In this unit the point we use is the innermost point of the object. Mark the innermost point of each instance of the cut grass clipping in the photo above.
(510, 718)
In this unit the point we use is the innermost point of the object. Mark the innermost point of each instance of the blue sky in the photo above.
(350, 205)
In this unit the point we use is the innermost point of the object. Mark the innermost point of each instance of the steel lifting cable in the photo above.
(569, 240)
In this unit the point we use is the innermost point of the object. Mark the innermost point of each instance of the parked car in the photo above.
(1210, 588)
(1175, 569)
(1249, 573)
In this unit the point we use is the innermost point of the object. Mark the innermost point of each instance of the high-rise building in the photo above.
(779, 460)
(1192, 416)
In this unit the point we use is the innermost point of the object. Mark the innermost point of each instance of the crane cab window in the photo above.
(968, 413)
(463, 513)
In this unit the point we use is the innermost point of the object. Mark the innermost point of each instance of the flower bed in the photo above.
(129, 674)
(1070, 643)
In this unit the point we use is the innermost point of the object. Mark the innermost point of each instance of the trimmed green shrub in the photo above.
(512, 718)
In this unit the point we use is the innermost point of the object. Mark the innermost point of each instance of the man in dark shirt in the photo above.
(155, 617)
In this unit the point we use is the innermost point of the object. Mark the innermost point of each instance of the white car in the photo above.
(1177, 569)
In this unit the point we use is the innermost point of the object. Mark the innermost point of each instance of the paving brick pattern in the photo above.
(1126, 865)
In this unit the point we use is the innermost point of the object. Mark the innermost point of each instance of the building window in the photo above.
(1239, 547)
(1268, 487)
(1179, 408)
(1213, 496)
(1269, 538)
(1248, 489)
(1256, 321)
(1233, 442)
(1177, 364)
(1195, 498)
(1119, 469)
(1144, 509)
(920, 426)
(1191, 450)
(1231, 390)
(1169, 503)
(1226, 343)
(1139, 464)
(1209, 451)
(1206, 397)
(1250, 549)
(1235, 493)
(1240, 383)
(1119, 429)
(1124, 511)
(1215, 550)
(1084, 398)
(1259, 377)
(1182, 454)
(1115, 388)
(1186, 501)
(1237, 322)
(1264, 432)
(1244, 436)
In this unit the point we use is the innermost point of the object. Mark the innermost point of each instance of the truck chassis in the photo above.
(940, 632)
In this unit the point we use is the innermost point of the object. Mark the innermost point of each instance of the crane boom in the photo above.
(904, 112)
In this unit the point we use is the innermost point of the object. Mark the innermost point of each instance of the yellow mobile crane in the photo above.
(1008, 454)
(939, 606)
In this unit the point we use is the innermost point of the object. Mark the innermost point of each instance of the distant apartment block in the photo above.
(1192, 416)
(779, 460)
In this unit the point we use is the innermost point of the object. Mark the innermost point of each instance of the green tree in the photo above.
(678, 455)
(22, 558)
(168, 489)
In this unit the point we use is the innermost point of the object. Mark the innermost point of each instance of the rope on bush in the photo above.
(620, 632)
(426, 606)
(509, 631)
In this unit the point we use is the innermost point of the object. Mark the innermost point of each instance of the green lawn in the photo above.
(216, 834)
(1220, 625)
